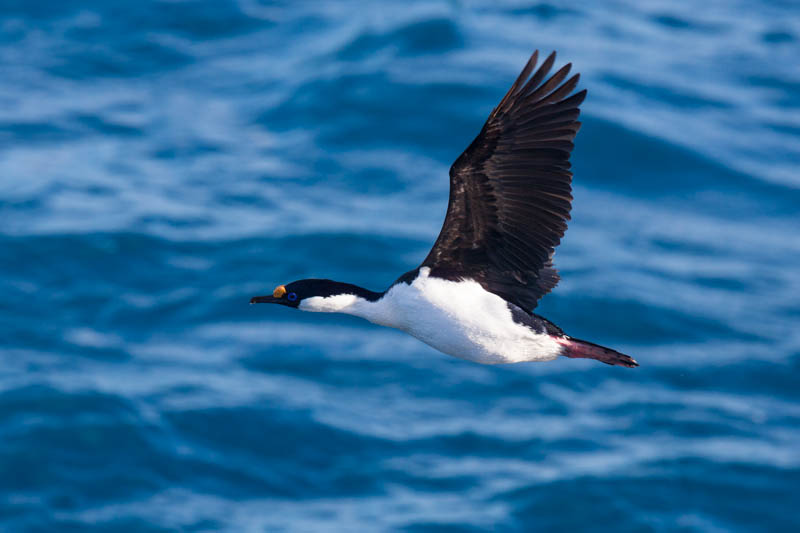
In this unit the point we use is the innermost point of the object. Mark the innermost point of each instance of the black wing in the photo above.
(510, 190)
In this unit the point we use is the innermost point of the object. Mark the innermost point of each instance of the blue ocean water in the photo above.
(161, 162)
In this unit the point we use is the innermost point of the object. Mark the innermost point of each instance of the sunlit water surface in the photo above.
(161, 162)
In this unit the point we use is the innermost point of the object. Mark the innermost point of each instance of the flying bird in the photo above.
(510, 196)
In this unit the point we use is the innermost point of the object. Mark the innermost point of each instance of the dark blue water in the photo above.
(161, 162)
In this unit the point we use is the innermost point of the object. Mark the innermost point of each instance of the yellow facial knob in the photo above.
(279, 291)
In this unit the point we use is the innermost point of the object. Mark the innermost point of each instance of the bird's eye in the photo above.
(292, 296)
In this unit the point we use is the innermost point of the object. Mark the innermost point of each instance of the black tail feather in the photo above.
(588, 350)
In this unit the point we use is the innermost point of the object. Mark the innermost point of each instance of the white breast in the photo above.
(458, 318)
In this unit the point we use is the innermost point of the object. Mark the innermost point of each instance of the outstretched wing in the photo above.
(510, 190)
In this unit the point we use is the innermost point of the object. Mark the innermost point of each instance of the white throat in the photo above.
(350, 304)
(338, 303)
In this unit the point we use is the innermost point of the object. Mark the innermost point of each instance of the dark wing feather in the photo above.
(510, 193)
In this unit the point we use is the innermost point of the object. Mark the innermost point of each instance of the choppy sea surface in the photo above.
(162, 162)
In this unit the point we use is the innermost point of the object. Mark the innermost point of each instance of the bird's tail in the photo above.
(589, 350)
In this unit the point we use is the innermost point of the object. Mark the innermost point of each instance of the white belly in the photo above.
(463, 320)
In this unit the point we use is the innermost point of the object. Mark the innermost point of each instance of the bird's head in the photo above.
(321, 295)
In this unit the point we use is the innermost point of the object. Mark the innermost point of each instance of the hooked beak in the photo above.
(264, 300)
(276, 298)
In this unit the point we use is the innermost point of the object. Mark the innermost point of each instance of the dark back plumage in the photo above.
(510, 193)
